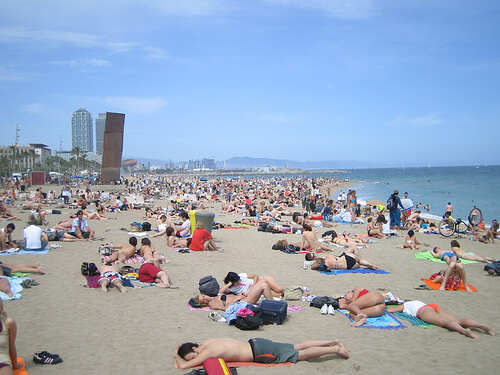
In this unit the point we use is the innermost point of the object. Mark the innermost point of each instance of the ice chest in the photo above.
(273, 311)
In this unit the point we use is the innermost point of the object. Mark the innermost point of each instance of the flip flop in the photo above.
(423, 287)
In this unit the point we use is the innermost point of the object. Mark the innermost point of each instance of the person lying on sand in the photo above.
(124, 251)
(29, 268)
(149, 253)
(348, 260)
(5, 284)
(309, 240)
(361, 304)
(150, 273)
(434, 314)
(5, 212)
(109, 276)
(455, 247)
(242, 283)
(258, 350)
(447, 256)
(173, 240)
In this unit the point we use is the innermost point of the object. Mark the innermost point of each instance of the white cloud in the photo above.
(97, 63)
(137, 105)
(155, 53)
(423, 120)
(338, 8)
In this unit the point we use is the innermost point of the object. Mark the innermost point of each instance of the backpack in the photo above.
(493, 268)
(208, 285)
(89, 269)
(324, 300)
(146, 227)
(391, 204)
(248, 323)
(273, 312)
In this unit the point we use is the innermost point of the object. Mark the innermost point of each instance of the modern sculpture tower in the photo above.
(113, 147)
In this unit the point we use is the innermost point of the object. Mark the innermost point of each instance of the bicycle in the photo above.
(448, 226)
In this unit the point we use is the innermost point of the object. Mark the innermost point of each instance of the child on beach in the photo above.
(411, 241)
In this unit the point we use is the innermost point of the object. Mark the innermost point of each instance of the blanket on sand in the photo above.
(386, 321)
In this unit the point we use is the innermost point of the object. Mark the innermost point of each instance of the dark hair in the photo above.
(11, 226)
(132, 241)
(309, 256)
(169, 231)
(334, 234)
(184, 215)
(454, 243)
(307, 227)
(186, 348)
(84, 206)
(146, 241)
(231, 277)
(79, 212)
(411, 233)
(381, 219)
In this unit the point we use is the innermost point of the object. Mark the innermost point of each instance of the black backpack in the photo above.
(209, 286)
(493, 268)
(391, 203)
(248, 323)
(324, 300)
(146, 226)
(89, 269)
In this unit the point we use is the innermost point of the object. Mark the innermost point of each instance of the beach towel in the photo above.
(40, 252)
(206, 308)
(253, 364)
(413, 321)
(311, 252)
(357, 270)
(427, 255)
(436, 286)
(386, 321)
(15, 286)
(137, 234)
(130, 260)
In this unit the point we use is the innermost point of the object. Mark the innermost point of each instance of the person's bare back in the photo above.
(228, 349)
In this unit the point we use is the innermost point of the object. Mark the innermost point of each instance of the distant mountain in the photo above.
(249, 162)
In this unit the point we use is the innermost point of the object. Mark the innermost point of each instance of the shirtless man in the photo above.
(309, 240)
(5, 212)
(124, 251)
(255, 350)
(110, 277)
(6, 241)
(149, 253)
(346, 261)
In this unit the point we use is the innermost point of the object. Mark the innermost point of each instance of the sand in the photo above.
(138, 331)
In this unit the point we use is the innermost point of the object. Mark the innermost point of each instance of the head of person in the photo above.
(146, 242)
(10, 228)
(169, 231)
(184, 215)
(307, 227)
(436, 249)
(231, 277)
(334, 234)
(411, 233)
(449, 203)
(188, 351)
(79, 214)
(132, 241)
(454, 243)
(201, 300)
(381, 219)
(406, 194)
(310, 256)
(31, 219)
(349, 296)
(396, 192)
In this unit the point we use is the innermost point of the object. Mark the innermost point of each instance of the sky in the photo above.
(414, 82)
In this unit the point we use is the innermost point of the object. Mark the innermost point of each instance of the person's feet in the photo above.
(467, 332)
(342, 351)
(490, 332)
(359, 320)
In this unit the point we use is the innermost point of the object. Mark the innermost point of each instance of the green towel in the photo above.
(414, 321)
(20, 274)
(427, 255)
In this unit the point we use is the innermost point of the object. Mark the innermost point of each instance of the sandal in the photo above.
(423, 287)
(28, 283)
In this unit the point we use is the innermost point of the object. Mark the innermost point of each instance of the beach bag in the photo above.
(273, 312)
(292, 294)
(146, 227)
(248, 323)
(324, 300)
(135, 227)
(391, 204)
(493, 268)
(89, 269)
(208, 285)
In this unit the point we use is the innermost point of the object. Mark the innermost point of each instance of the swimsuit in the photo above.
(267, 351)
(110, 276)
(413, 308)
(350, 261)
(363, 292)
(450, 254)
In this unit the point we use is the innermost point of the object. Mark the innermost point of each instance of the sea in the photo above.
(463, 187)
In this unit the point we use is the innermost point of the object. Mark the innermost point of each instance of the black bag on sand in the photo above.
(248, 323)
(89, 269)
(146, 226)
(273, 312)
(493, 268)
(324, 300)
(209, 286)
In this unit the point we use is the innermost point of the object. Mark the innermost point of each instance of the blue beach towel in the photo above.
(40, 252)
(15, 286)
(386, 321)
(357, 270)
(414, 321)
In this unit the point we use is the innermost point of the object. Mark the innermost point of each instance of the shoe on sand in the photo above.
(324, 309)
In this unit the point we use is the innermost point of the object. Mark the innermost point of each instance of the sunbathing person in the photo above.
(5, 284)
(345, 240)
(454, 265)
(454, 278)
(447, 256)
(5, 212)
(455, 247)
(434, 314)
(29, 268)
(309, 240)
(6, 241)
(361, 304)
(202, 240)
(345, 261)
(173, 240)
(149, 254)
(110, 277)
(124, 251)
(411, 241)
(374, 228)
(255, 350)
(241, 283)
(151, 273)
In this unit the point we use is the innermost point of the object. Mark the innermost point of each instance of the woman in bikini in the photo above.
(352, 204)
(375, 228)
(455, 247)
(454, 265)
(361, 304)
(434, 314)
(346, 261)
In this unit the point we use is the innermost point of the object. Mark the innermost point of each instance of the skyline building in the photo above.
(100, 124)
(82, 130)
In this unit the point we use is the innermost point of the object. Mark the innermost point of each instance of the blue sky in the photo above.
(413, 82)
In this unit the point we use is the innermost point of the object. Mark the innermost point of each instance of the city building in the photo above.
(100, 124)
(82, 130)
(21, 158)
(42, 152)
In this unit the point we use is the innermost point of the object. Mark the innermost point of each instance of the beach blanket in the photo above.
(15, 286)
(427, 255)
(206, 308)
(311, 252)
(413, 321)
(130, 260)
(386, 321)
(138, 234)
(253, 364)
(436, 286)
(357, 270)
(40, 252)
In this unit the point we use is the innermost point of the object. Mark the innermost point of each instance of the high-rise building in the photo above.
(100, 124)
(82, 130)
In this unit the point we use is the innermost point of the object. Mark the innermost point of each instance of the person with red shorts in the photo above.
(202, 240)
(149, 273)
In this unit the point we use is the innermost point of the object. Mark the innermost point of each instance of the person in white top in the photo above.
(241, 283)
(186, 225)
(34, 237)
(434, 314)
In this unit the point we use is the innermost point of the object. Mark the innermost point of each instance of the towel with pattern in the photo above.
(431, 284)
(357, 270)
(386, 321)
(414, 321)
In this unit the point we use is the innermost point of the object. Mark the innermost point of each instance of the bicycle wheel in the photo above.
(462, 228)
(446, 227)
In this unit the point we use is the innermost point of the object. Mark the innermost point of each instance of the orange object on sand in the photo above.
(22, 370)
(431, 284)
(254, 364)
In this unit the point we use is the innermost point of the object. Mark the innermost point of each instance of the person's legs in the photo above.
(364, 263)
(446, 276)
(318, 351)
(273, 284)
(104, 283)
(310, 344)
(118, 283)
(446, 320)
(258, 289)
(163, 279)
(32, 268)
(6, 370)
(5, 287)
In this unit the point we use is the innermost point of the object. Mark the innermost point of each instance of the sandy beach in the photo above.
(138, 331)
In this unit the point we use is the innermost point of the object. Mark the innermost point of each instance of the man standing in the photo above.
(393, 205)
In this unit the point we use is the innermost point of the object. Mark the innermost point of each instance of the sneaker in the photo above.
(45, 358)
(331, 310)
(324, 309)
